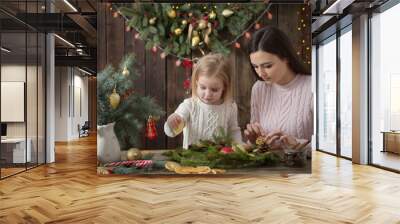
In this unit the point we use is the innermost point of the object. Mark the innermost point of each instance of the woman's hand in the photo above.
(289, 141)
(253, 130)
(278, 139)
(174, 120)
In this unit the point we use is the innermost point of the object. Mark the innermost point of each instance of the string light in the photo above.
(237, 45)
(269, 15)
(247, 35)
(137, 36)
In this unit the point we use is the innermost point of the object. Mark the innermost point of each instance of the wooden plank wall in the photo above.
(161, 79)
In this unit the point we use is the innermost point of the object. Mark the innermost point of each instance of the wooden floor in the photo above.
(386, 159)
(69, 191)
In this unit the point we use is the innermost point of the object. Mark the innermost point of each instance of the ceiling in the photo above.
(74, 22)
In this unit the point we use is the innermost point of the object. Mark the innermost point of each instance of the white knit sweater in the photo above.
(202, 120)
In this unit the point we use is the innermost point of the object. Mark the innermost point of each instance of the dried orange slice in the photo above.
(171, 166)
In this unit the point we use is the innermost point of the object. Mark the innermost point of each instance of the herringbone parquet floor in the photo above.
(69, 191)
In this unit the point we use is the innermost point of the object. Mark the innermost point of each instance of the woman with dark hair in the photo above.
(281, 99)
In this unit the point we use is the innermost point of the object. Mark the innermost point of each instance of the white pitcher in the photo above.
(108, 149)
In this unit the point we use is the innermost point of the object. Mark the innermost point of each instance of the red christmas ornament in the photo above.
(186, 63)
(151, 132)
(226, 150)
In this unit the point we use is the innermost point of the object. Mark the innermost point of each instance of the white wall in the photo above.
(71, 102)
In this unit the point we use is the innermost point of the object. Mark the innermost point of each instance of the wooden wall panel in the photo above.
(161, 79)
(175, 94)
(156, 88)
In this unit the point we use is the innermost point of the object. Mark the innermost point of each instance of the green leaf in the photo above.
(145, 22)
(161, 29)
(152, 30)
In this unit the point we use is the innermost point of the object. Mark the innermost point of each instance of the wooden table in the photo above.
(280, 169)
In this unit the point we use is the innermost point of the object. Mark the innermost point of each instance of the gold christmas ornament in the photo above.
(152, 21)
(133, 154)
(178, 31)
(114, 99)
(171, 14)
(227, 12)
(125, 72)
(195, 41)
(212, 15)
(202, 24)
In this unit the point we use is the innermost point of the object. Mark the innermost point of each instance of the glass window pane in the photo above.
(385, 114)
(327, 96)
(13, 87)
(346, 94)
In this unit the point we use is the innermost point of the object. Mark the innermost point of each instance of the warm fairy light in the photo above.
(247, 35)
(303, 41)
(257, 26)
(298, 28)
(163, 55)
(178, 63)
(115, 14)
(269, 16)
(137, 36)
(237, 45)
(154, 49)
(127, 28)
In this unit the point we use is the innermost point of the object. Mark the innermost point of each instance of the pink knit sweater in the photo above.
(287, 108)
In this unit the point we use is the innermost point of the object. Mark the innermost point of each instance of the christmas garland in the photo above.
(183, 29)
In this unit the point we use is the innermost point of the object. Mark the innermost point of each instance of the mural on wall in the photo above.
(184, 35)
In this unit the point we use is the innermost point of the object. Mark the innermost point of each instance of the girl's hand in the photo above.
(174, 120)
(253, 130)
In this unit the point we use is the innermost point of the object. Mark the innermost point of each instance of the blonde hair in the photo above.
(213, 65)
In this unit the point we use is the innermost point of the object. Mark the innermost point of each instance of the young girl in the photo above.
(211, 105)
